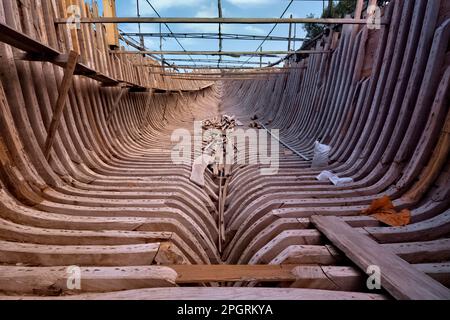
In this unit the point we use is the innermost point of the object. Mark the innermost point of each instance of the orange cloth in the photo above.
(383, 210)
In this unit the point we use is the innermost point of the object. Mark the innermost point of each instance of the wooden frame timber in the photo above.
(398, 277)
(225, 53)
(69, 71)
(216, 20)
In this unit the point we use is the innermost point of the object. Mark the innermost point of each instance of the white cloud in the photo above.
(203, 27)
(168, 4)
(210, 11)
(254, 29)
(246, 3)
(211, 28)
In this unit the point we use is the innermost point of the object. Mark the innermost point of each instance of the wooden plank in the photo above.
(399, 278)
(234, 273)
(223, 53)
(61, 102)
(23, 42)
(255, 78)
(216, 294)
(175, 74)
(53, 280)
(112, 33)
(86, 255)
(61, 60)
(359, 8)
(183, 20)
(315, 277)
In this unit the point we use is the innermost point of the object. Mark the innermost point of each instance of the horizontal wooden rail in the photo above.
(219, 79)
(309, 276)
(215, 20)
(23, 42)
(218, 68)
(225, 74)
(224, 53)
(211, 36)
(37, 51)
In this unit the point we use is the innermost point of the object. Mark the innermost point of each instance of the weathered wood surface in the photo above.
(54, 280)
(218, 293)
(398, 277)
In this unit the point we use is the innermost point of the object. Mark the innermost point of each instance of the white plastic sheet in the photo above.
(330, 176)
(198, 169)
(321, 155)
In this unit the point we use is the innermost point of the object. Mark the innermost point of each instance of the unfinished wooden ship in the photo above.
(87, 180)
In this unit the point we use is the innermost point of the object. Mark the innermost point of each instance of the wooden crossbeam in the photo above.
(61, 102)
(219, 79)
(219, 68)
(23, 42)
(224, 53)
(61, 61)
(37, 51)
(53, 280)
(184, 20)
(220, 73)
(344, 278)
(398, 277)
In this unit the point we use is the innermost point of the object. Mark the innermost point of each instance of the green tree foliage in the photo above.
(339, 9)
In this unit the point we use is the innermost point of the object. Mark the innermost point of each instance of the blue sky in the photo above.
(208, 8)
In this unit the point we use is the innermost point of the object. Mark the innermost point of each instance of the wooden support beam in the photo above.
(226, 293)
(219, 79)
(61, 61)
(398, 277)
(182, 20)
(224, 53)
(233, 273)
(221, 67)
(61, 102)
(53, 280)
(74, 44)
(37, 51)
(323, 277)
(115, 104)
(112, 32)
(359, 8)
(23, 42)
(225, 74)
